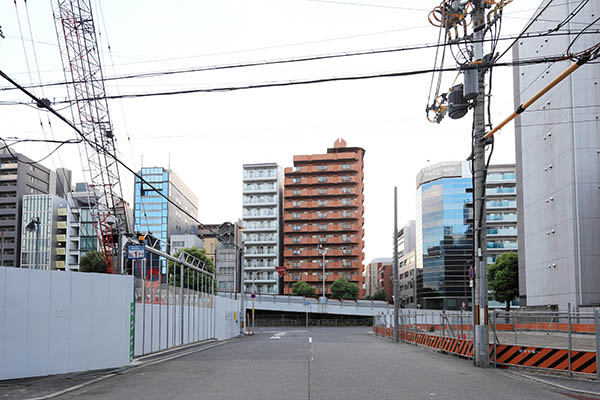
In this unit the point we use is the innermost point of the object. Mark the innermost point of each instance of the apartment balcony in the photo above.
(323, 169)
(259, 216)
(268, 189)
(316, 216)
(262, 280)
(261, 229)
(500, 191)
(270, 177)
(61, 212)
(8, 177)
(61, 238)
(270, 267)
(9, 166)
(330, 264)
(60, 265)
(256, 255)
(61, 224)
(491, 205)
(259, 241)
(501, 178)
(316, 253)
(328, 192)
(321, 204)
(61, 251)
(291, 240)
(491, 218)
(327, 180)
(501, 245)
(260, 204)
(290, 228)
(491, 232)
(329, 277)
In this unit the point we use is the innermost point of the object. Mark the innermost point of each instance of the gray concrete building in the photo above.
(222, 244)
(558, 175)
(179, 242)
(44, 241)
(407, 271)
(262, 221)
(17, 178)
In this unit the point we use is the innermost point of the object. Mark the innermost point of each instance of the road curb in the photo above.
(547, 383)
(126, 369)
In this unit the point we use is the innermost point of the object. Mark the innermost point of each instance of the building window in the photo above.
(296, 180)
(322, 167)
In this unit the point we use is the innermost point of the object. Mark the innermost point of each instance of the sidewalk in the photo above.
(577, 384)
(40, 387)
(46, 387)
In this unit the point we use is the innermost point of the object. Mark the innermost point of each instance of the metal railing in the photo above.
(565, 341)
(174, 302)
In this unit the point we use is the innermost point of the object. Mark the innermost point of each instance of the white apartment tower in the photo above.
(262, 215)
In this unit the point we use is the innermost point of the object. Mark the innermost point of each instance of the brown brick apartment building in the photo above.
(323, 212)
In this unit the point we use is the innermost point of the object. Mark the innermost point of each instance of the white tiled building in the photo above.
(262, 192)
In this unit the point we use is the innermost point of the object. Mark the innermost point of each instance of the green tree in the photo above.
(342, 289)
(503, 278)
(380, 295)
(191, 278)
(92, 261)
(302, 288)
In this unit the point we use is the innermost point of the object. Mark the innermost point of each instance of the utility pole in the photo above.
(481, 350)
(395, 265)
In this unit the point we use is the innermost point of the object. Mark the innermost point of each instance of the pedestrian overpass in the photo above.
(270, 302)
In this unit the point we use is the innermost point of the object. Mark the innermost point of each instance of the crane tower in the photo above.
(80, 56)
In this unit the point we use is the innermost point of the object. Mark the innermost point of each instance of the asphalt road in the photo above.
(314, 364)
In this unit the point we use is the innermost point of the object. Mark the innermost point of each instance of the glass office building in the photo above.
(445, 243)
(154, 214)
(444, 229)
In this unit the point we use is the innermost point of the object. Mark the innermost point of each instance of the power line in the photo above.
(100, 148)
(262, 85)
(320, 57)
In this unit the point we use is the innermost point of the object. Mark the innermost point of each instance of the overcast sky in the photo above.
(208, 136)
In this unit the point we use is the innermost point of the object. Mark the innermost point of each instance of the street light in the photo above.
(323, 251)
(34, 226)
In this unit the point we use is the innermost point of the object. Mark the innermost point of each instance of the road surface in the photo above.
(314, 364)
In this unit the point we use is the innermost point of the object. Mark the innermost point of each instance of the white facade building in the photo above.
(262, 235)
(45, 245)
(558, 171)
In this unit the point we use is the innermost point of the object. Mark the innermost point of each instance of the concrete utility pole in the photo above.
(395, 265)
(481, 350)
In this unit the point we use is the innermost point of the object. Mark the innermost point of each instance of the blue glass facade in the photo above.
(446, 241)
(151, 210)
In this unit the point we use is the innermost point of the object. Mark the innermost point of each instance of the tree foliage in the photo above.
(380, 295)
(192, 279)
(302, 288)
(92, 261)
(503, 278)
(342, 289)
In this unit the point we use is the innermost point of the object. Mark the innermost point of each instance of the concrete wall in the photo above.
(55, 322)
(227, 323)
(558, 168)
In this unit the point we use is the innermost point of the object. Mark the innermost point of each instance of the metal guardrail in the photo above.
(288, 299)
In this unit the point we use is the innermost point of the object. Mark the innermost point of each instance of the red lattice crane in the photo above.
(82, 68)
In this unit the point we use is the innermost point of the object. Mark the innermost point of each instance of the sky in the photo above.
(207, 137)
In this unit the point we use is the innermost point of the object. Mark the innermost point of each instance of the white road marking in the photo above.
(278, 335)
(310, 340)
